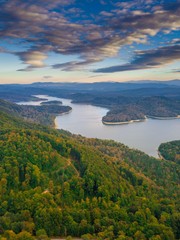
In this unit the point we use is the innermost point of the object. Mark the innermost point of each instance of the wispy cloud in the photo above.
(175, 70)
(3, 50)
(147, 60)
(47, 77)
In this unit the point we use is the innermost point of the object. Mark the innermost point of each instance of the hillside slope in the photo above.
(59, 184)
(43, 114)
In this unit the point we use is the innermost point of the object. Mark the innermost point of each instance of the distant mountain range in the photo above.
(19, 92)
(109, 86)
(169, 82)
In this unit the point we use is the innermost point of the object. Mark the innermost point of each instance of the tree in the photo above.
(24, 236)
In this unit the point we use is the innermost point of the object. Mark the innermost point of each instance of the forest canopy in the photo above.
(53, 183)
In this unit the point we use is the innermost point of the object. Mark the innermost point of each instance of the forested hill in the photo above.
(53, 183)
(44, 114)
(170, 151)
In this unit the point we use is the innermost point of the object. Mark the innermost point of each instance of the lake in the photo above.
(86, 120)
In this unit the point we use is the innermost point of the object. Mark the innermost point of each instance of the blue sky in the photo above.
(89, 40)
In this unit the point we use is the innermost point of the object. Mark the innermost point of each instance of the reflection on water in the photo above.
(146, 136)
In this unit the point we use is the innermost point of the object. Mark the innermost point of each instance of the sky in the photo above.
(89, 40)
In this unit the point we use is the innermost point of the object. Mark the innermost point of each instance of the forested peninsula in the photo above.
(137, 110)
(44, 114)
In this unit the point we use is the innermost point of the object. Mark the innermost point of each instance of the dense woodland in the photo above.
(136, 108)
(43, 114)
(170, 151)
(53, 183)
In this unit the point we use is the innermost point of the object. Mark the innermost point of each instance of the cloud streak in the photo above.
(147, 60)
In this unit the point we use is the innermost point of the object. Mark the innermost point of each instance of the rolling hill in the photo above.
(53, 183)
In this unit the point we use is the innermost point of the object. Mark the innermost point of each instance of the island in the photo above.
(55, 102)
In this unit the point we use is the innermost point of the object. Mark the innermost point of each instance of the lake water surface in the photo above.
(87, 120)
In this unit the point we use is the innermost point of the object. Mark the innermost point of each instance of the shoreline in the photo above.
(141, 120)
(163, 118)
(121, 123)
(160, 156)
(55, 124)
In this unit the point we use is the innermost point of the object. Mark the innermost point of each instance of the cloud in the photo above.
(106, 14)
(47, 77)
(27, 69)
(63, 27)
(73, 65)
(3, 50)
(175, 70)
(175, 41)
(95, 76)
(147, 60)
(35, 59)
